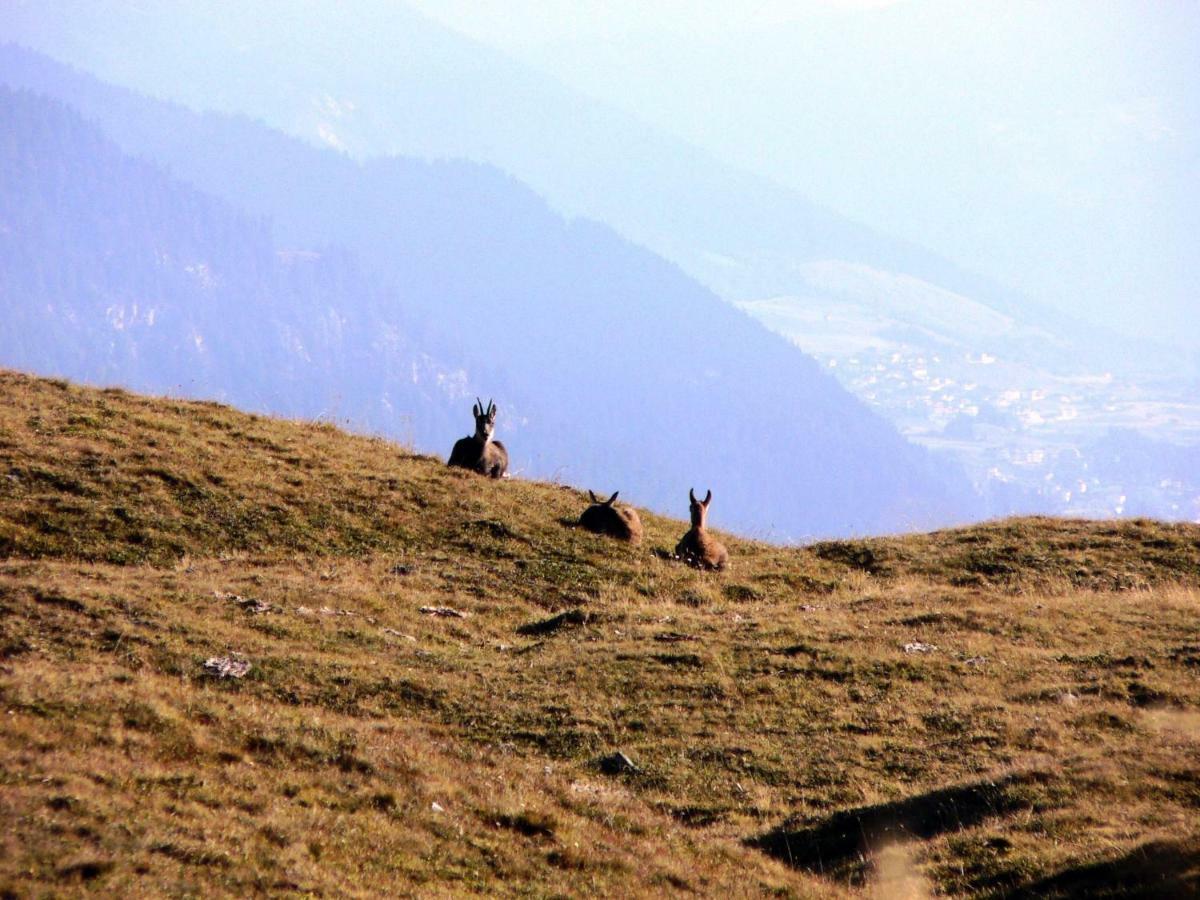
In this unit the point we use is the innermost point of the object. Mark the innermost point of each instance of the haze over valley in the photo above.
(419, 287)
(1037, 422)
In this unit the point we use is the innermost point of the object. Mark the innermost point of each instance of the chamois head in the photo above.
(699, 509)
(485, 420)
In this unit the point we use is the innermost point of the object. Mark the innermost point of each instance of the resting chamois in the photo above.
(619, 522)
(480, 453)
(699, 548)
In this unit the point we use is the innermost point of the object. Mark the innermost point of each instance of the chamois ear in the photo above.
(609, 501)
(478, 407)
(707, 499)
(491, 408)
(692, 495)
(595, 499)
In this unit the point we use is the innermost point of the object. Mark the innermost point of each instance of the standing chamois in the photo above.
(619, 522)
(480, 453)
(699, 548)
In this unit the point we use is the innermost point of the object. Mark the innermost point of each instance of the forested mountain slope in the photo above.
(114, 272)
(376, 77)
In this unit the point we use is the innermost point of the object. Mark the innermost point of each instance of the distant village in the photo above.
(1088, 445)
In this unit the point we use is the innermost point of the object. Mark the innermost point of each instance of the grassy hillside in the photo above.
(1042, 738)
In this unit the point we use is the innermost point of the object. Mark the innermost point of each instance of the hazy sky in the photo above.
(1052, 145)
(523, 23)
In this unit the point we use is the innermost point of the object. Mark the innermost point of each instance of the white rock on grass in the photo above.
(226, 667)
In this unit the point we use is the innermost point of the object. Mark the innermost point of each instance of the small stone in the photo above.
(400, 634)
(249, 604)
(919, 647)
(618, 764)
(975, 660)
(436, 807)
(674, 637)
(399, 570)
(444, 611)
(226, 667)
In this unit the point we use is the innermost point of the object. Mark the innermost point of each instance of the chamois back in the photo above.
(603, 517)
(699, 548)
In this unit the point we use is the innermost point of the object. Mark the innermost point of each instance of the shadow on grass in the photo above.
(572, 618)
(838, 845)
(1154, 870)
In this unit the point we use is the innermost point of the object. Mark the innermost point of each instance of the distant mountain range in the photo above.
(1051, 146)
(373, 77)
(419, 284)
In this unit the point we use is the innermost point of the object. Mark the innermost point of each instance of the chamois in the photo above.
(480, 453)
(699, 548)
(619, 522)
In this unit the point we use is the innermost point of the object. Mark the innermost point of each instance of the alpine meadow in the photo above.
(443, 669)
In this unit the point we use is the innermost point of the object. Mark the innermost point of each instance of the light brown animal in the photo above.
(602, 517)
(480, 453)
(699, 548)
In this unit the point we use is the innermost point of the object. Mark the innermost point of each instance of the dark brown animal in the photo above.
(699, 548)
(602, 517)
(480, 453)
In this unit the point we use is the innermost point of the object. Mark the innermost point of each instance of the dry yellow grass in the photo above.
(786, 742)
